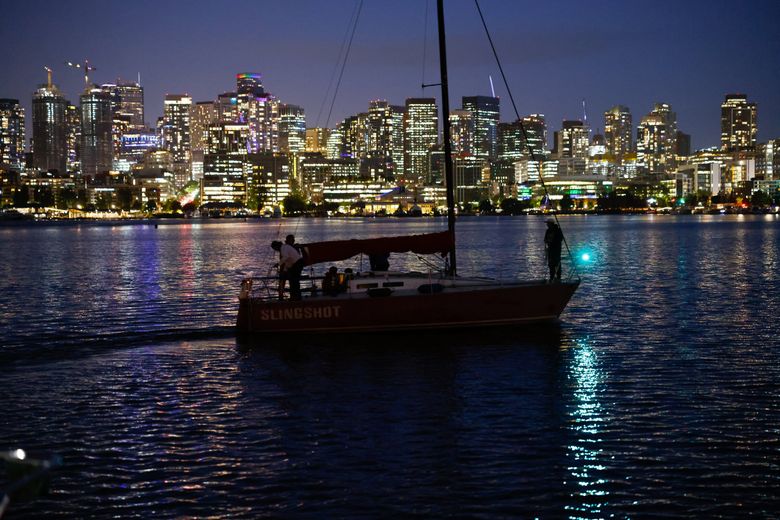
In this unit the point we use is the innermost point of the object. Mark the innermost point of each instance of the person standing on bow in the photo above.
(553, 238)
(290, 267)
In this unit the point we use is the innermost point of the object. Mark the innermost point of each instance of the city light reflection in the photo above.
(586, 422)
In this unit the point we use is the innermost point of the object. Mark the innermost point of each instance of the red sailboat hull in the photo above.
(454, 307)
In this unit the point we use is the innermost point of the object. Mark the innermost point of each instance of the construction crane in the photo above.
(87, 69)
(48, 76)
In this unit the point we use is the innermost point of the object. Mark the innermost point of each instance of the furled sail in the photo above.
(431, 243)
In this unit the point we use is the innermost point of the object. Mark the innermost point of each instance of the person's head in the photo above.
(333, 269)
(551, 222)
(290, 239)
(276, 245)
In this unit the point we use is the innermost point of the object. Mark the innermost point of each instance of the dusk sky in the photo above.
(556, 53)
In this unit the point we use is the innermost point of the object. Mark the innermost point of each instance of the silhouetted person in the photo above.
(553, 238)
(291, 265)
(331, 285)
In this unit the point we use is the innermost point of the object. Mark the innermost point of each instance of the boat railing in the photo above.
(266, 288)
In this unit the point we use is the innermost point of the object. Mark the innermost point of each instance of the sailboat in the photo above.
(389, 301)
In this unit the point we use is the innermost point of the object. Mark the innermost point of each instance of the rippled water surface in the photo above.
(658, 395)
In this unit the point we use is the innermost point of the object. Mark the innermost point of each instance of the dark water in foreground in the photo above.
(657, 396)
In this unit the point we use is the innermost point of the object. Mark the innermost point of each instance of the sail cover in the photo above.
(318, 252)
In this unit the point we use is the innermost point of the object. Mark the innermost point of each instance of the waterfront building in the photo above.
(12, 134)
(683, 144)
(768, 160)
(96, 152)
(224, 178)
(268, 179)
(656, 140)
(469, 175)
(738, 123)
(420, 135)
(486, 114)
(50, 129)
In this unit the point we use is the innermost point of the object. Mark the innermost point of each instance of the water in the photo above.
(658, 395)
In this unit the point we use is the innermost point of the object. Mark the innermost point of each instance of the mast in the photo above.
(445, 102)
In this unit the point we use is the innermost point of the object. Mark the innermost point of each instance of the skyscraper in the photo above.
(50, 129)
(738, 124)
(462, 132)
(12, 133)
(572, 142)
(259, 110)
(96, 125)
(656, 140)
(176, 137)
(292, 129)
(486, 113)
(131, 104)
(204, 115)
(421, 133)
(384, 131)
(618, 132)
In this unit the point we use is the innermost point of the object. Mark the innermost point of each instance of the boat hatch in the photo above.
(393, 284)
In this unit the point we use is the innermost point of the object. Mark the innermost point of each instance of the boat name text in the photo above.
(306, 313)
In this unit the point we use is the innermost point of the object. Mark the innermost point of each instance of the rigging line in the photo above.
(425, 48)
(344, 63)
(336, 65)
(522, 129)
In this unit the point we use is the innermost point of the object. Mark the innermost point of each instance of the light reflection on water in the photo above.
(656, 396)
(586, 422)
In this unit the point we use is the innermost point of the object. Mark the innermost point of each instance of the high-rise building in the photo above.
(486, 113)
(227, 107)
(618, 132)
(292, 129)
(131, 104)
(572, 140)
(259, 110)
(572, 143)
(738, 123)
(317, 140)
(768, 160)
(421, 134)
(205, 114)
(462, 132)
(12, 133)
(384, 131)
(73, 122)
(96, 150)
(50, 129)
(656, 140)
(175, 131)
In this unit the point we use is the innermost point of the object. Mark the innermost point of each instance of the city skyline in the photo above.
(564, 60)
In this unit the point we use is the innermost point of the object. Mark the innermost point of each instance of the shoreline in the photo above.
(169, 221)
